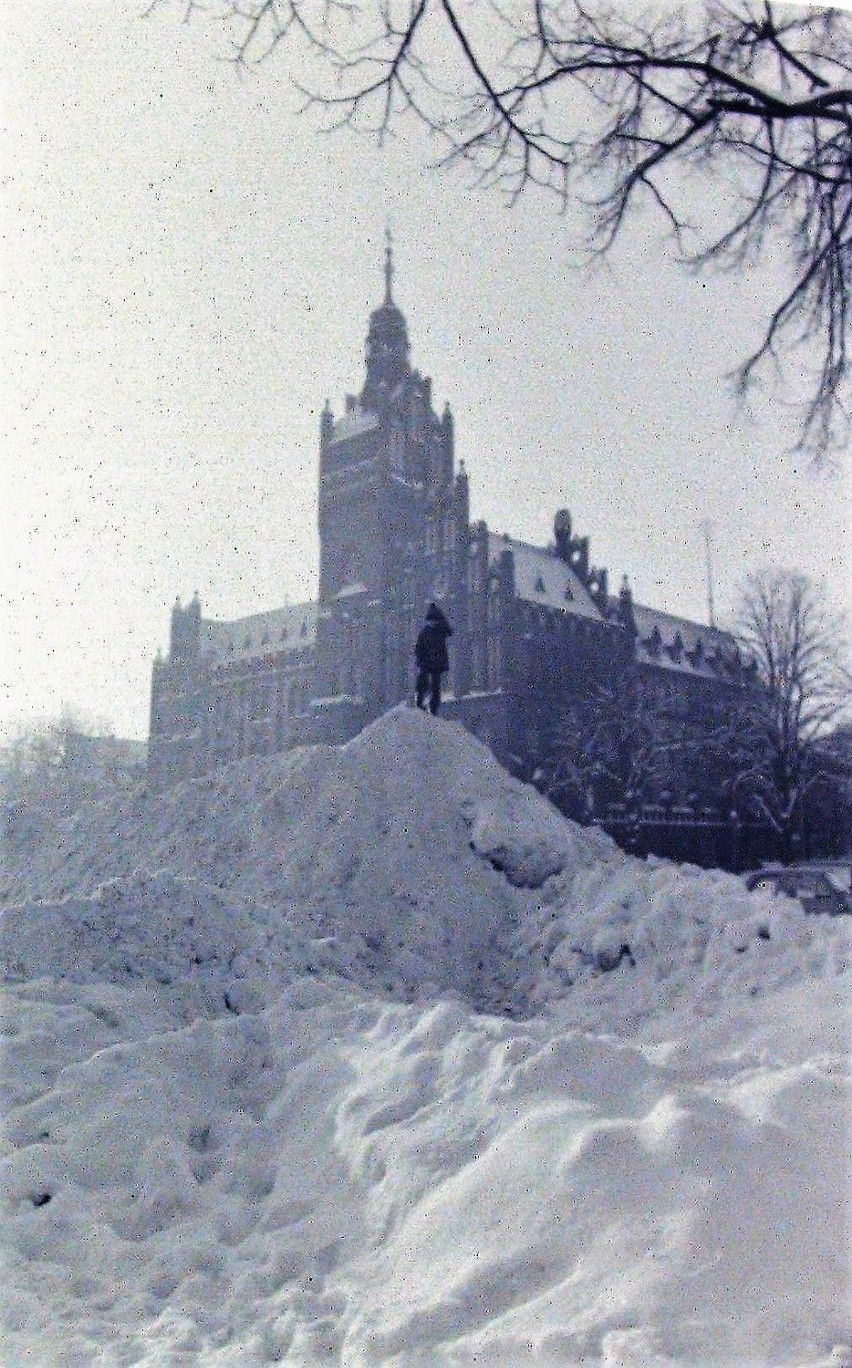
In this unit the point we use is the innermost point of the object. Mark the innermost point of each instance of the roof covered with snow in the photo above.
(352, 423)
(675, 643)
(292, 628)
(542, 578)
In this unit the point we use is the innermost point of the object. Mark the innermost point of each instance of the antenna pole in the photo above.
(707, 529)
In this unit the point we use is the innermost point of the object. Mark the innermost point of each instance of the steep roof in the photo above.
(675, 643)
(541, 577)
(292, 628)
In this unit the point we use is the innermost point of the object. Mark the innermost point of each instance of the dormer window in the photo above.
(539, 585)
(653, 643)
(697, 655)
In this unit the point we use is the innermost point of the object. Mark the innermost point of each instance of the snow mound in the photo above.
(336, 1180)
(408, 862)
(393, 860)
(201, 949)
(365, 1056)
(589, 1191)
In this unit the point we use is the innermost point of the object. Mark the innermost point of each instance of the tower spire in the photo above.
(388, 264)
(387, 343)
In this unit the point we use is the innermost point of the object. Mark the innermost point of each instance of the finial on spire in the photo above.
(388, 264)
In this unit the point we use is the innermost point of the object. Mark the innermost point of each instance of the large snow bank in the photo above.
(365, 1056)
(397, 856)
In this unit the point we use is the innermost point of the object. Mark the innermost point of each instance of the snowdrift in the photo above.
(365, 1056)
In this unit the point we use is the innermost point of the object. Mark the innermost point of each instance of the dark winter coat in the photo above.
(431, 649)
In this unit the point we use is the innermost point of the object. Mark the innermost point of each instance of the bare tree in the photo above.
(56, 761)
(733, 120)
(620, 744)
(802, 655)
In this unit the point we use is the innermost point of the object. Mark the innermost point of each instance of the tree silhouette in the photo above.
(802, 655)
(620, 744)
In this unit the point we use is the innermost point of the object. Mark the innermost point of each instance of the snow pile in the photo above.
(602, 1204)
(364, 1056)
(203, 949)
(396, 857)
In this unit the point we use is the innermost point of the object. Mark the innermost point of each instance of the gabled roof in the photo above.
(292, 628)
(541, 577)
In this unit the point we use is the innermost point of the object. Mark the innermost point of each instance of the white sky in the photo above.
(188, 273)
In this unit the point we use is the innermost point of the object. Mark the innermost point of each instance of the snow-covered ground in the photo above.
(364, 1056)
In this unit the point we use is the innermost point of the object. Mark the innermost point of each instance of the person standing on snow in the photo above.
(430, 653)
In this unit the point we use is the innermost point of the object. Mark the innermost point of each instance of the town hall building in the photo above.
(535, 627)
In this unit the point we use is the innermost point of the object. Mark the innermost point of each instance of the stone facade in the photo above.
(534, 627)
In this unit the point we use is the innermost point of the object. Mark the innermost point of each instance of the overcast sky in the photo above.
(188, 273)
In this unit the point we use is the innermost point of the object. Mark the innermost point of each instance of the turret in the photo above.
(506, 581)
(625, 607)
(506, 576)
(562, 535)
(186, 630)
(461, 497)
(597, 586)
(326, 428)
(580, 557)
(447, 443)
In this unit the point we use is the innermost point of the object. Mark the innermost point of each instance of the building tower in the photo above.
(389, 525)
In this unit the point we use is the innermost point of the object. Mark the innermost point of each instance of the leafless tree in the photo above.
(620, 743)
(803, 660)
(54, 762)
(733, 120)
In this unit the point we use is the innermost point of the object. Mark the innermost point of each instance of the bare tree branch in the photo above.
(607, 109)
(802, 655)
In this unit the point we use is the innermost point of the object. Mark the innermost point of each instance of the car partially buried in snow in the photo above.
(820, 888)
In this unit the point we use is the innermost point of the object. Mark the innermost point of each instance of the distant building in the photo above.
(103, 757)
(534, 627)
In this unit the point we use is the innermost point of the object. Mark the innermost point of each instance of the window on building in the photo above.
(260, 698)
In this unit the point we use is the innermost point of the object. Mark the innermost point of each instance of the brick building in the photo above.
(534, 627)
